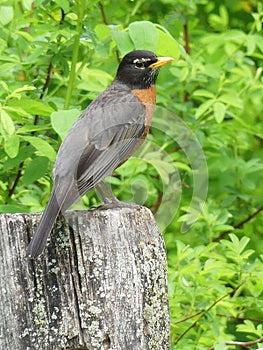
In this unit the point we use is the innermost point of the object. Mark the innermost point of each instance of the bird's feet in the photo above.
(117, 204)
(110, 201)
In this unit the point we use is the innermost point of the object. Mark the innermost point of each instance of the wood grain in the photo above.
(100, 284)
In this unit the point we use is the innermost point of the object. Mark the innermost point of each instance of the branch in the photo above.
(186, 38)
(245, 344)
(251, 216)
(103, 13)
(105, 21)
(75, 54)
(48, 77)
(201, 313)
(187, 50)
(18, 175)
(63, 15)
(240, 224)
(187, 318)
(241, 318)
(158, 202)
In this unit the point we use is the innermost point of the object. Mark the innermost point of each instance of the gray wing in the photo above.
(102, 138)
(95, 163)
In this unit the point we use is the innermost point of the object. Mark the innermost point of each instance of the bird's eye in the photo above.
(139, 64)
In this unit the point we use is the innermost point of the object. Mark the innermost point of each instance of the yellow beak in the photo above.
(161, 61)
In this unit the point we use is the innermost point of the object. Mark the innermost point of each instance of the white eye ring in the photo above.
(140, 62)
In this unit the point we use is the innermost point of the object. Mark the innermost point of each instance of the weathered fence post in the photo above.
(100, 284)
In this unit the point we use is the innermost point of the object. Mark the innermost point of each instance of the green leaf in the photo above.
(62, 121)
(162, 167)
(219, 22)
(64, 4)
(242, 244)
(221, 346)
(17, 92)
(123, 41)
(183, 166)
(234, 35)
(144, 35)
(27, 4)
(35, 170)
(7, 126)
(31, 128)
(204, 93)
(26, 36)
(221, 228)
(259, 42)
(94, 80)
(167, 45)
(232, 99)
(42, 146)
(219, 111)
(17, 110)
(34, 107)
(25, 152)
(205, 106)
(249, 327)
(5, 67)
(12, 209)
(11, 146)
(251, 44)
(224, 14)
(6, 14)
(102, 31)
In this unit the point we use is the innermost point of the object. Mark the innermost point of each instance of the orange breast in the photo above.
(148, 98)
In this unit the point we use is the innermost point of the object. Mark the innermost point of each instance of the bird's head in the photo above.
(139, 69)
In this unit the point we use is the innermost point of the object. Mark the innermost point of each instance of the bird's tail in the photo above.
(39, 239)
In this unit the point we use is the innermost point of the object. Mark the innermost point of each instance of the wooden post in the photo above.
(100, 284)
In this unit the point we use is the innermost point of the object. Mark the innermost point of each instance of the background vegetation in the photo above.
(56, 56)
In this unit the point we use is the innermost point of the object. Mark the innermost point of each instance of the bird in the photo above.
(105, 135)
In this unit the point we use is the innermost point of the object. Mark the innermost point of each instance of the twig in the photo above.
(245, 344)
(48, 77)
(18, 175)
(81, 5)
(186, 38)
(206, 310)
(175, 149)
(187, 318)
(158, 202)
(103, 13)
(240, 224)
(187, 50)
(242, 318)
(251, 216)
(63, 15)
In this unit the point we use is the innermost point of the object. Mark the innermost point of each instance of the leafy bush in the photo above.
(56, 56)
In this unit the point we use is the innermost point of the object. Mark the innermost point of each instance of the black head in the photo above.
(139, 69)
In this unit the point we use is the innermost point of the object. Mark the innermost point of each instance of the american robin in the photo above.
(108, 132)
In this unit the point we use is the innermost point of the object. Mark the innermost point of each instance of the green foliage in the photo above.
(56, 56)
(208, 288)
